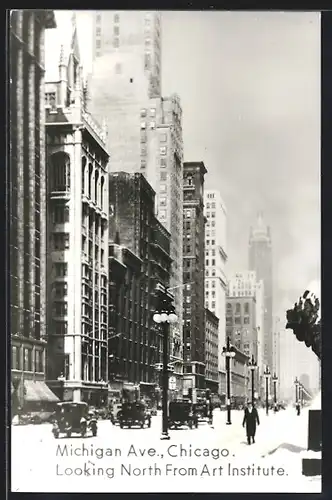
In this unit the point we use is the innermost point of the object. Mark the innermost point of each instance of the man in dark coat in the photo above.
(249, 420)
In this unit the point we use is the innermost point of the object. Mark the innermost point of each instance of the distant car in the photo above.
(132, 414)
(182, 413)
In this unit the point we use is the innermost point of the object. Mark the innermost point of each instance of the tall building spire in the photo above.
(260, 220)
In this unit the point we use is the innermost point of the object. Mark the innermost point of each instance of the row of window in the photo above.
(213, 253)
(212, 307)
(211, 205)
(211, 223)
(213, 284)
(213, 262)
(210, 233)
(246, 308)
(212, 214)
(238, 320)
(29, 364)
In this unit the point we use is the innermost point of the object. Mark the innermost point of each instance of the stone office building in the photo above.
(27, 209)
(77, 234)
(139, 248)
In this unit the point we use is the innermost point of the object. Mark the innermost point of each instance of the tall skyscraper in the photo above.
(27, 209)
(193, 275)
(77, 234)
(145, 129)
(162, 165)
(215, 269)
(260, 261)
(126, 72)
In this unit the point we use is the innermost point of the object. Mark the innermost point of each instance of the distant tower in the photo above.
(260, 261)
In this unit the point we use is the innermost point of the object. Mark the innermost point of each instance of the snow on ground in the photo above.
(36, 466)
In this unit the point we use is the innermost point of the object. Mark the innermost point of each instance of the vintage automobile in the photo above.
(181, 413)
(134, 414)
(202, 411)
(115, 409)
(72, 418)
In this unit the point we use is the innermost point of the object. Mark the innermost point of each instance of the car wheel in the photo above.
(142, 425)
(190, 424)
(68, 434)
(56, 435)
(121, 425)
(149, 424)
(94, 432)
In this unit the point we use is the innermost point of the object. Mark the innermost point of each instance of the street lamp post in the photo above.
(164, 315)
(229, 352)
(296, 382)
(300, 394)
(252, 366)
(275, 380)
(267, 375)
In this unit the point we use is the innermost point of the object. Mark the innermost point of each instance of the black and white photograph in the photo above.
(165, 240)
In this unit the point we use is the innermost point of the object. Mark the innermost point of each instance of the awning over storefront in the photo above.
(38, 391)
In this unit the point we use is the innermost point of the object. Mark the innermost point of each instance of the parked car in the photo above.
(74, 418)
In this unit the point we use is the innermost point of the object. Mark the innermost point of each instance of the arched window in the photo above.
(246, 308)
(96, 186)
(229, 307)
(90, 179)
(189, 180)
(238, 308)
(60, 172)
(83, 173)
(102, 181)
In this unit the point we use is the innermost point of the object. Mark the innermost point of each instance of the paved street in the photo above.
(127, 465)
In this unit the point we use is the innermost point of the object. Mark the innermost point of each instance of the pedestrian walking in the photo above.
(250, 420)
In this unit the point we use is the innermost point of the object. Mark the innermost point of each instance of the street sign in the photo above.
(172, 383)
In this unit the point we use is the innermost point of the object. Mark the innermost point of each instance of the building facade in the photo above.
(211, 351)
(193, 275)
(27, 208)
(77, 236)
(240, 378)
(126, 73)
(162, 165)
(260, 261)
(215, 269)
(139, 259)
(245, 320)
(241, 285)
(145, 130)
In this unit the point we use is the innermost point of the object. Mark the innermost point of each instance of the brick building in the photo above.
(193, 275)
(27, 209)
(77, 232)
(211, 351)
(139, 248)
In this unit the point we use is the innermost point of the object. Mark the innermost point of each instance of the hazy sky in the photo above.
(249, 84)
